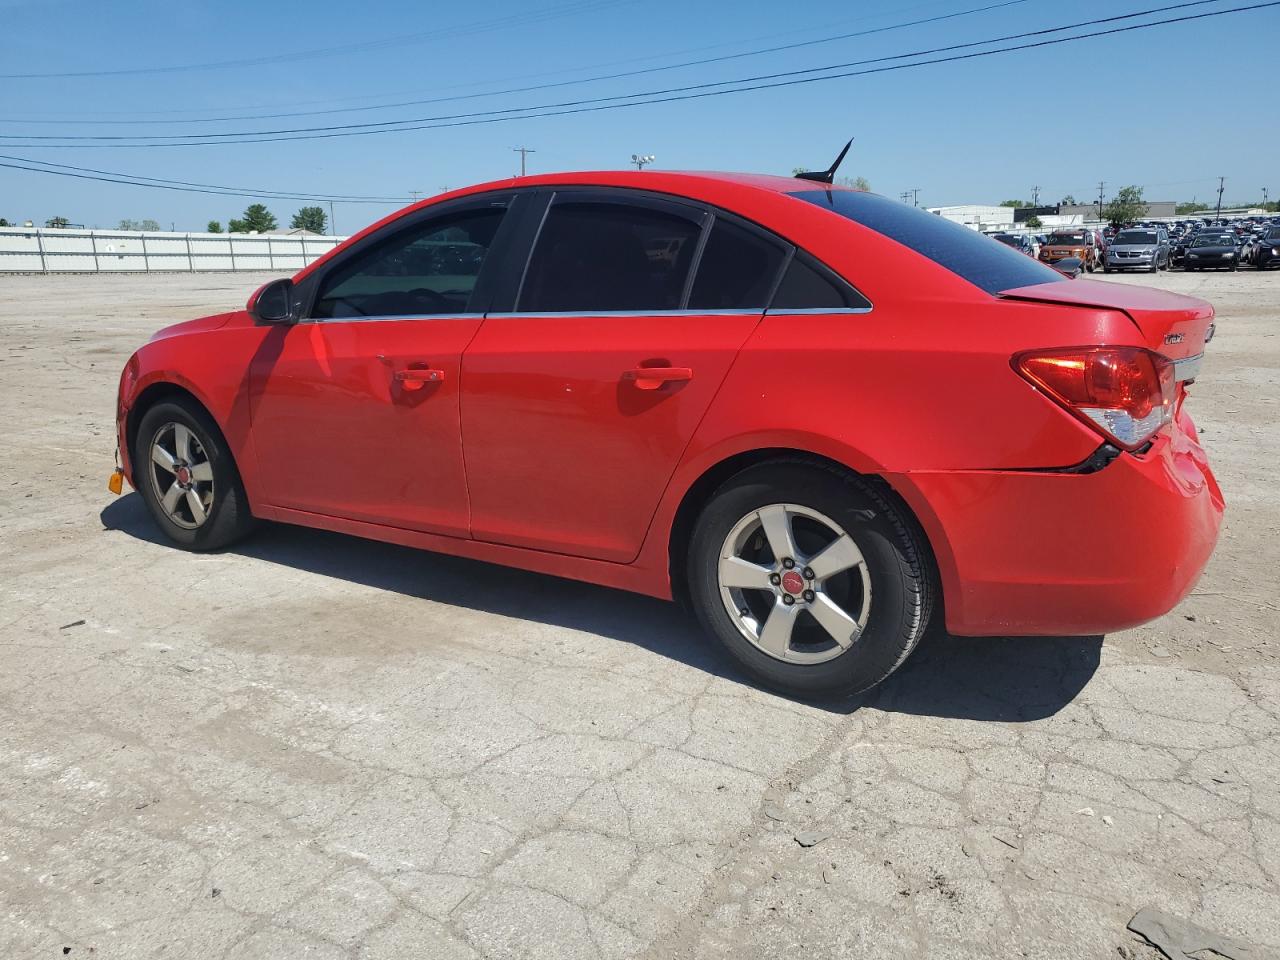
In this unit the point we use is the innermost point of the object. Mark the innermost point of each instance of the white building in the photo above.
(989, 219)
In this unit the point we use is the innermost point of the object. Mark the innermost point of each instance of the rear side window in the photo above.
(986, 263)
(809, 286)
(737, 270)
(428, 269)
(595, 256)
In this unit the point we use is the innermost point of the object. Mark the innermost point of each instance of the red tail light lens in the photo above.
(1126, 393)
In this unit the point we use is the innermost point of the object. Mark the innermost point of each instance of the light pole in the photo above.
(640, 159)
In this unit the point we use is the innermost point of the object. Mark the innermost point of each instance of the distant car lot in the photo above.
(318, 743)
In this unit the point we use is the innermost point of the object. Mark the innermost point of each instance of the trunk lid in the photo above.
(1173, 325)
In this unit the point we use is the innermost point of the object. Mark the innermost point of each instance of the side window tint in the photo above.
(608, 256)
(428, 269)
(737, 270)
(805, 286)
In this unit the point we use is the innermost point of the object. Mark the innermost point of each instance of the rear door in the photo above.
(578, 403)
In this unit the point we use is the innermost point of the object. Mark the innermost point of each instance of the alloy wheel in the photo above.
(181, 475)
(794, 583)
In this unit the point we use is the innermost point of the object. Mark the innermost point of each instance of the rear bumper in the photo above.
(1032, 553)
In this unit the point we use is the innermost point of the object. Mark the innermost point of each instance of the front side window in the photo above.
(594, 256)
(988, 265)
(424, 270)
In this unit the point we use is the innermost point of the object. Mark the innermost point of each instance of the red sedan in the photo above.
(818, 416)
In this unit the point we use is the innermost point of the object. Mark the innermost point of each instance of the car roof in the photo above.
(662, 180)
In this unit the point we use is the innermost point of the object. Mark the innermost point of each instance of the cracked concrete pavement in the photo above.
(314, 746)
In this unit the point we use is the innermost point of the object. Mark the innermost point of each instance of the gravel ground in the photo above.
(314, 746)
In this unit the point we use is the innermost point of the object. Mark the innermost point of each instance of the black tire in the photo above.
(897, 559)
(1106, 269)
(1234, 267)
(229, 519)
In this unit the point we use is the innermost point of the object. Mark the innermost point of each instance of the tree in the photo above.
(214, 226)
(1192, 207)
(1014, 203)
(138, 225)
(257, 219)
(5, 223)
(57, 223)
(1126, 207)
(310, 218)
(858, 183)
(1034, 223)
(1067, 201)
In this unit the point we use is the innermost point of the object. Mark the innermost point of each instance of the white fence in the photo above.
(48, 250)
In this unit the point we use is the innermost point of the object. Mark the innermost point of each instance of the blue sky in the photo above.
(1125, 109)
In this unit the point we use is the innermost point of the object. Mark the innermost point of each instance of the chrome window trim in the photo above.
(394, 316)
(1188, 368)
(756, 312)
(814, 311)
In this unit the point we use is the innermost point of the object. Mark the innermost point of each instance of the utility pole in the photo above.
(333, 221)
(1102, 184)
(1035, 196)
(415, 194)
(523, 151)
(1265, 198)
(640, 159)
(904, 196)
(1222, 182)
(915, 196)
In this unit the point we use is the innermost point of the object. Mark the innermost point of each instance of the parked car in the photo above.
(1018, 241)
(1138, 248)
(1079, 243)
(1213, 251)
(828, 416)
(1266, 252)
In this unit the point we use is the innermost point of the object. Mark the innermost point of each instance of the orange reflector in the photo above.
(115, 483)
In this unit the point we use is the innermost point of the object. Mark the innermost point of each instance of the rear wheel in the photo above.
(810, 578)
(185, 473)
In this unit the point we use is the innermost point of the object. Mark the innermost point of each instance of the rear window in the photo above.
(986, 263)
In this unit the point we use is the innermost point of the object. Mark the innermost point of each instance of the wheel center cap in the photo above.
(184, 476)
(793, 583)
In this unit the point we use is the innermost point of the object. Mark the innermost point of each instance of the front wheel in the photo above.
(184, 470)
(810, 578)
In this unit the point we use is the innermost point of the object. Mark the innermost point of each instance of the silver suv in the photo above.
(1138, 248)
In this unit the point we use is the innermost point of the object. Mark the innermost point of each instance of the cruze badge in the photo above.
(1173, 338)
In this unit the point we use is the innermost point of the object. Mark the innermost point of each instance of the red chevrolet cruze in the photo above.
(819, 416)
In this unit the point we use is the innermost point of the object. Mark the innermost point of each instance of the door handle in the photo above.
(416, 379)
(651, 378)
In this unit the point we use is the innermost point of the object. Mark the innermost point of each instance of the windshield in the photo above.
(1221, 240)
(1067, 239)
(1136, 236)
(1009, 239)
(992, 267)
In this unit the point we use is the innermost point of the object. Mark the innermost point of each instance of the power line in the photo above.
(483, 26)
(668, 95)
(182, 187)
(772, 36)
(747, 84)
(569, 83)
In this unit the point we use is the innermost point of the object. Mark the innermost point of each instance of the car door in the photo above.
(355, 409)
(578, 403)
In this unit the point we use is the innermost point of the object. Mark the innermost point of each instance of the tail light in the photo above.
(1125, 393)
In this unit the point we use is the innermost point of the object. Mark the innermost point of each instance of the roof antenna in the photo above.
(828, 175)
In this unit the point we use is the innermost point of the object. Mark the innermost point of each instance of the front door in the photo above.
(355, 410)
(576, 407)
